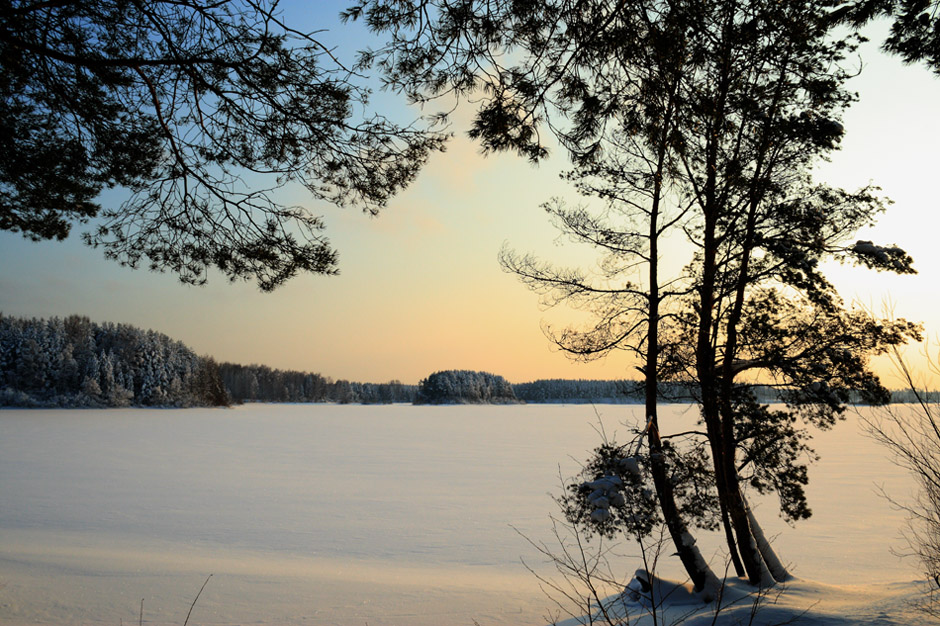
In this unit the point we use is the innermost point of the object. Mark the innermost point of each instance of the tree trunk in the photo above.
(729, 539)
(777, 569)
(701, 575)
(757, 572)
(703, 579)
(720, 435)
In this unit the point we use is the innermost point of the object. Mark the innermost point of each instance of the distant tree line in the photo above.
(258, 383)
(557, 390)
(74, 362)
(464, 387)
(915, 396)
(562, 390)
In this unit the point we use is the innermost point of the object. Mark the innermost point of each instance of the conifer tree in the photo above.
(719, 109)
(199, 112)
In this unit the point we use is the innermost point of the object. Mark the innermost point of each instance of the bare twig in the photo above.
(196, 599)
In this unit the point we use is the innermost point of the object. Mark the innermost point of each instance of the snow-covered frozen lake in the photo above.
(347, 515)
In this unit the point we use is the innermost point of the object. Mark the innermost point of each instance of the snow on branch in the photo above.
(878, 257)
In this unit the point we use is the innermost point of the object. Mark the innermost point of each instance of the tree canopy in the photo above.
(199, 112)
(915, 27)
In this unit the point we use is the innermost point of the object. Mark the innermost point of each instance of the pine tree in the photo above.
(177, 102)
(700, 116)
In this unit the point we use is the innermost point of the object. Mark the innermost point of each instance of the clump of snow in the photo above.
(605, 483)
(648, 591)
(891, 257)
(630, 465)
(606, 491)
(599, 501)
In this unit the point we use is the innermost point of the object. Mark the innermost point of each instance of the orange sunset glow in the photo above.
(420, 289)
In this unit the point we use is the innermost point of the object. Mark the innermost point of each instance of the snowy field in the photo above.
(355, 515)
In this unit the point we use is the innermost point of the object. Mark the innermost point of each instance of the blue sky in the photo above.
(420, 288)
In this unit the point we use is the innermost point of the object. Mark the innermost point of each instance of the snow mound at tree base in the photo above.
(798, 601)
(648, 590)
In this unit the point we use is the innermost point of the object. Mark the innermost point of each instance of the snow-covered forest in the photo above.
(259, 383)
(74, 362)
(464, 387)
(562, 390)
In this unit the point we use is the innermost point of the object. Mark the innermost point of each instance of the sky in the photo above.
(420, 289)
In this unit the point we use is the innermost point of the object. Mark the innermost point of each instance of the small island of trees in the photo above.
(464, 387)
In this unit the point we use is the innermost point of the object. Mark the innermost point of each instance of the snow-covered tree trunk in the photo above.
(777, 569)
